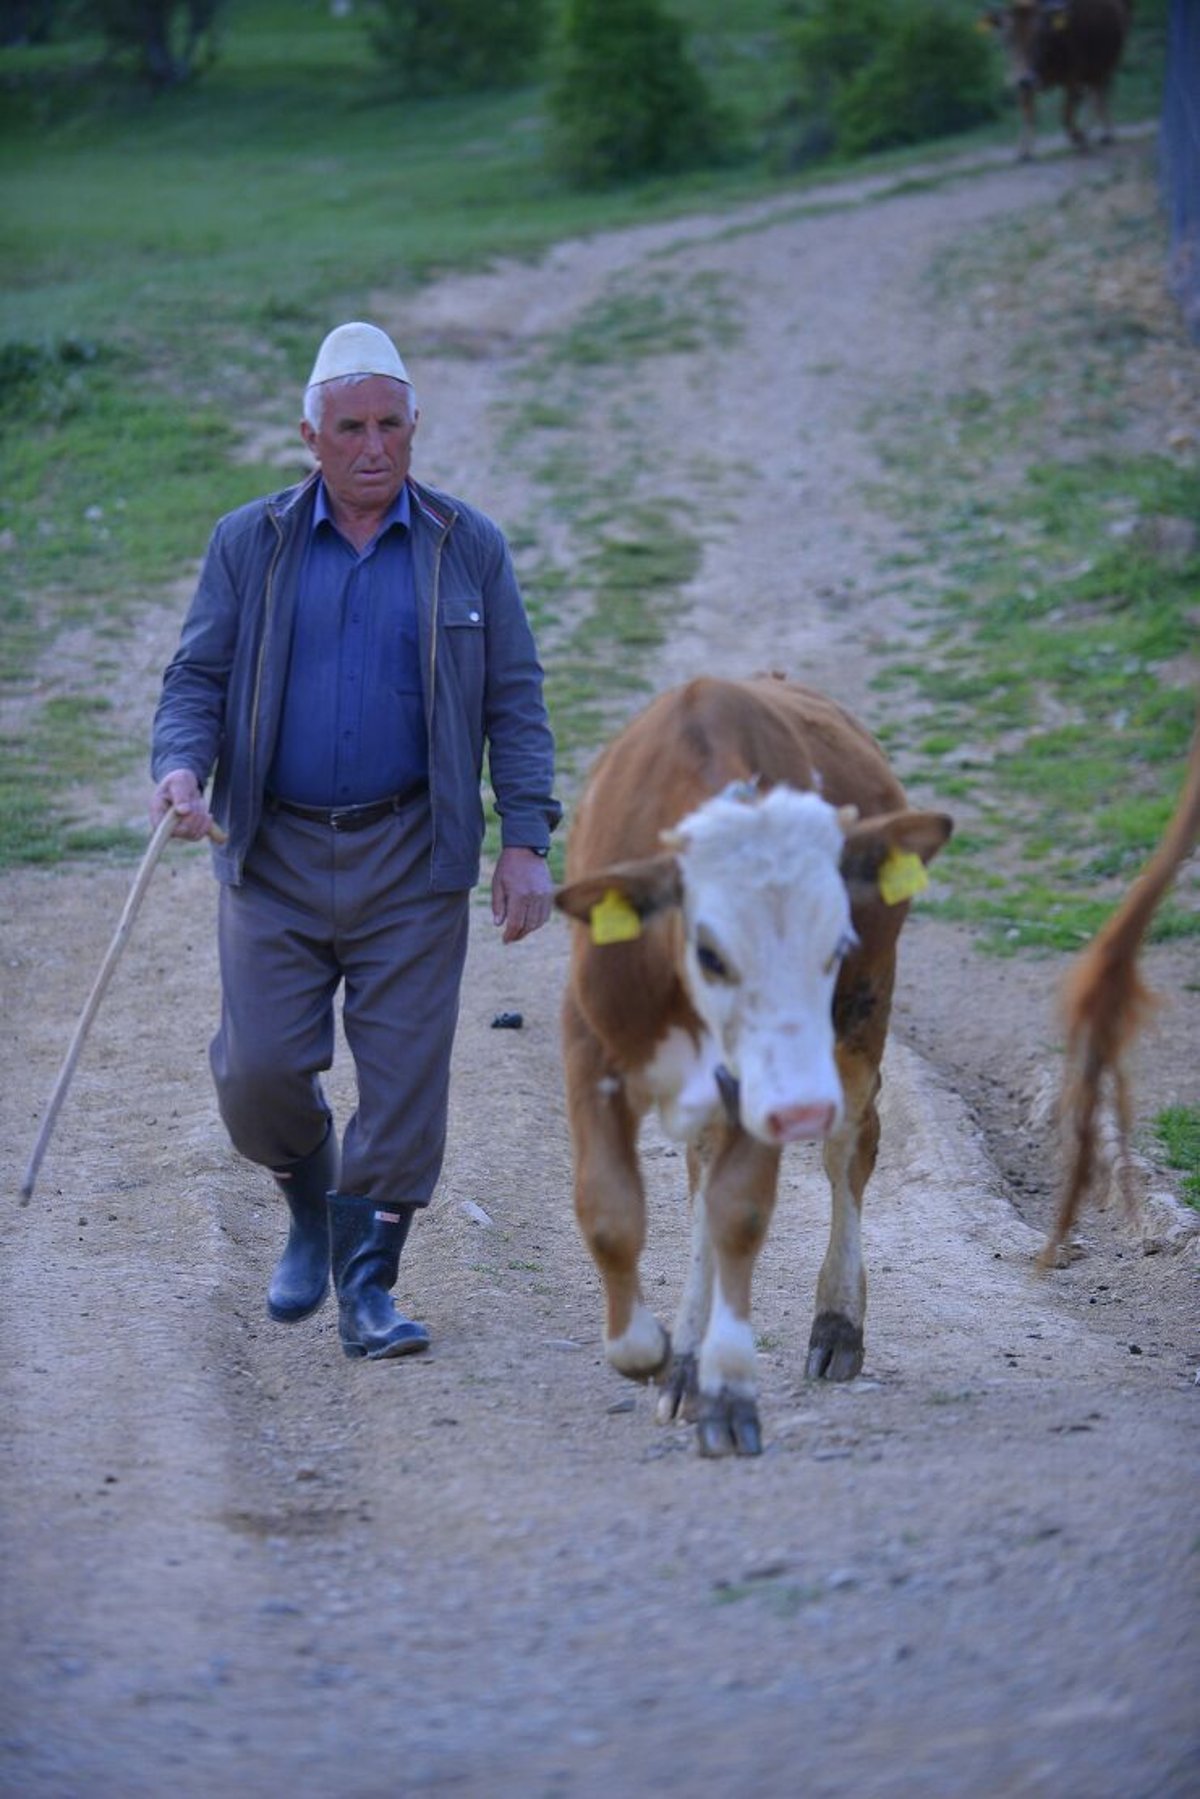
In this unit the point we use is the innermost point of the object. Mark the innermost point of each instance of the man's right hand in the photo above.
(181, 790)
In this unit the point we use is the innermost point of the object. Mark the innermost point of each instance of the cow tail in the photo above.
(1104, 1004)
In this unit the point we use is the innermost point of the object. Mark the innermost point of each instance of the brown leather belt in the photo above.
(349, 818)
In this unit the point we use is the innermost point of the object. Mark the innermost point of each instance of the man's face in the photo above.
(364, 443)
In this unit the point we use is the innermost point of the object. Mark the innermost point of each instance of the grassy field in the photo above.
(1052, 690)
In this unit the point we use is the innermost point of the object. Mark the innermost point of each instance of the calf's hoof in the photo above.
(835, 1348)
(644, 1352)
(679, 1400)
(727, 1424)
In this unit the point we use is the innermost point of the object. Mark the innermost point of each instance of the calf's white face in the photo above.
(767, 923)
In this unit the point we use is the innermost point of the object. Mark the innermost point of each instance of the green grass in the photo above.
(1090, 706)
(1178, 1132)
(85, 474)
(629, 582)
(67, 735)
(1050, 684)
(1054, 704)
(634, 322)
(782, 1599)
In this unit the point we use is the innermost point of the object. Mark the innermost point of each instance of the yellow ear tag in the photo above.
(901, 876)
(614, 920)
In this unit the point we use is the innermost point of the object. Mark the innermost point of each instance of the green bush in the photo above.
(872, 74)
(43, 381)
(932, 74)
(832, 40)
(625, 98)
(458, 46)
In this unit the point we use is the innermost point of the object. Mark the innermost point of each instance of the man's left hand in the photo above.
(522, 892)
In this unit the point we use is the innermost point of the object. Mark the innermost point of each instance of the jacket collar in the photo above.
(290, 499)
(438, 508)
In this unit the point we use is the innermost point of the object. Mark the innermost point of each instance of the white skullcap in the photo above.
(357, 349)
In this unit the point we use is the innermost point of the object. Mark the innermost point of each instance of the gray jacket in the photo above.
(222, 691)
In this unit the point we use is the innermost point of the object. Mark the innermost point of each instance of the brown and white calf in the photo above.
(739, 866)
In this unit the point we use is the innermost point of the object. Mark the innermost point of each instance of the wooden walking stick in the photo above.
(121, 936)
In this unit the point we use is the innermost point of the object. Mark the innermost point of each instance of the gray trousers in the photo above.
(319, 909)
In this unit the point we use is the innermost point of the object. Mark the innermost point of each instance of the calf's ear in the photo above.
(639, 888)
(878, 851)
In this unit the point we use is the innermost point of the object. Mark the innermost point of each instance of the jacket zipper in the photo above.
(433, 642)
(268, 604)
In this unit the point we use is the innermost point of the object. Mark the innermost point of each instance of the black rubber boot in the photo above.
(301, 1278)
(367, 1240)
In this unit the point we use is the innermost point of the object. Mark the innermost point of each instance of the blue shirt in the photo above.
(353, 723)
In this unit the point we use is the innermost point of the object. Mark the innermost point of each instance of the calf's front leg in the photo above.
(835, 1347)
(610, 1205)
(739, 1198)
(680, 1394)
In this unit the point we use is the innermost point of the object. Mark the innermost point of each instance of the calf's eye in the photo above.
(710, 962)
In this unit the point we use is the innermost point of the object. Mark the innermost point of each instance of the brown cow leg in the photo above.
(835, 1345)
(610, 1204)
(1028, 124)
(1072, 97)
(738, 1202)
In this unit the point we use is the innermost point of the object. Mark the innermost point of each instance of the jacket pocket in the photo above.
(461, 609)
(463, 640)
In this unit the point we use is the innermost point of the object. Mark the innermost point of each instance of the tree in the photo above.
(168, 37)
(26, 21)
(458, 46)
(624, 97)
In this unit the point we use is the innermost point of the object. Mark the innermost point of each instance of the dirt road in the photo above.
(235, 1562)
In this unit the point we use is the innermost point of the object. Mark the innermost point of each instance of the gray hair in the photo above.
(314, 397)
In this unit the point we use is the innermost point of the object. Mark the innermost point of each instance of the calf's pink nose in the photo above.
(795, 1124)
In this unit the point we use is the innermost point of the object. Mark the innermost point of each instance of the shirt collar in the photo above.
(400, 513)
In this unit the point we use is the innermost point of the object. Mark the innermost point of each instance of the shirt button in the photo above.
(474, 617)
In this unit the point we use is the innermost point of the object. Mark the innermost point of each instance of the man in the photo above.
(353, 644)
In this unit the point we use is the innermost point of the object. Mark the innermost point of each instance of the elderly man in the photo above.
(353, 645)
